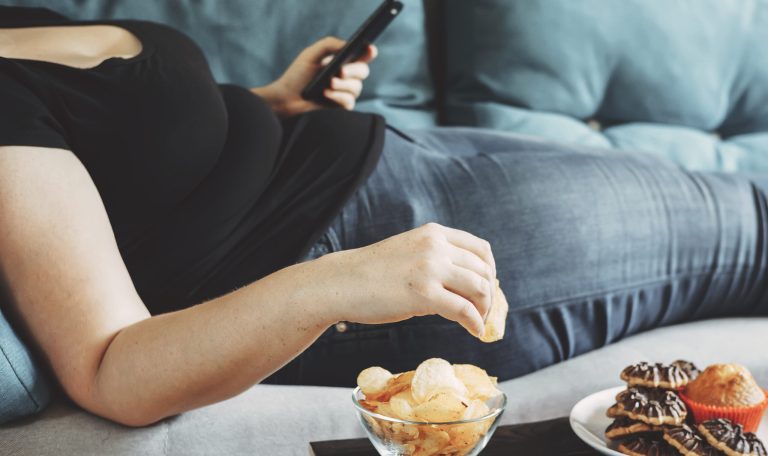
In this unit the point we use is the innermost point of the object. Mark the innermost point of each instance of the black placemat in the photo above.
(545, 438)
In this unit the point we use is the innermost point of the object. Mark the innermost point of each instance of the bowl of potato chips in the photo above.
(438, 409)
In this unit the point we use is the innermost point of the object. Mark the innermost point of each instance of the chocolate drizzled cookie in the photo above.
(644, 447)
(756, 446)
(730, 438)
(688, 367)
(652, 406)
(688, 442)
(657, 375)
(624, 427)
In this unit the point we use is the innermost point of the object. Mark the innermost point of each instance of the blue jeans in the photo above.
(591, 246)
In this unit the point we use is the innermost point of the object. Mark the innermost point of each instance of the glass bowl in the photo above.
(394, 437)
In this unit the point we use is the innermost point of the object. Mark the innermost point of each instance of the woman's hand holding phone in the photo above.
(284, 95)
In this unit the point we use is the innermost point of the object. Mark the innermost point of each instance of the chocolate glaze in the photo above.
(686, 437)
(728, 433)
(652, 403)
(624, 427)
(756, 445)
(688, 367)
(655, 375)
(648, 447)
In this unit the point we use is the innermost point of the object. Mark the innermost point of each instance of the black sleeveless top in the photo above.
(205, 188)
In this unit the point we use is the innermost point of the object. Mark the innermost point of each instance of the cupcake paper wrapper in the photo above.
(748, 417)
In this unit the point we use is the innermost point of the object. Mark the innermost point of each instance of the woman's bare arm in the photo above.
(75, 296)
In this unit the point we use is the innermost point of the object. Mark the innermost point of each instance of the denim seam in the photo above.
(18, 377)
(719, 272)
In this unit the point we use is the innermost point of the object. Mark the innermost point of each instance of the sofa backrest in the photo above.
(250, 42)
(674, 77)
(684, 79)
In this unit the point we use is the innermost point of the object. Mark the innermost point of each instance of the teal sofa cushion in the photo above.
(251, 42)
(686, 79)
(23, 388)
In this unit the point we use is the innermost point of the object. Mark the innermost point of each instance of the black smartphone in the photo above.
(356, 46)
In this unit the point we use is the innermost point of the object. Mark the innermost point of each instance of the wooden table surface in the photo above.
(545, 438)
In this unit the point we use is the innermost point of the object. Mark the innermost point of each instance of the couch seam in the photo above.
(18, 377)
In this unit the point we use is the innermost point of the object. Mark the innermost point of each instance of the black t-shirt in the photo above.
(205, 188)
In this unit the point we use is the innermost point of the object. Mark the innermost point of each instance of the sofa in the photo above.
(683, 79)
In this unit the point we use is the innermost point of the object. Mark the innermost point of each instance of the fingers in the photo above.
(335, 45)
(345, 89)
(355, 70)
(474, 244)
(471, 286)
(466, 277)
(319, 50)
(353, 86)
(344, 99)
(344, 92)
(370, 54)
(455, 307)
(468, 260)
(480, 270)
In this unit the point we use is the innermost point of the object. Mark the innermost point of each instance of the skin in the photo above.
(71, 292)
(285, 94)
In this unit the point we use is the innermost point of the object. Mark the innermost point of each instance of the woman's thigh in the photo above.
(590, 246)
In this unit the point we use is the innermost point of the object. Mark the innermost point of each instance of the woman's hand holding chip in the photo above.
(429, 270)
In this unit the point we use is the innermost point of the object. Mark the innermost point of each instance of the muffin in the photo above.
(726, 391)
(726, 385)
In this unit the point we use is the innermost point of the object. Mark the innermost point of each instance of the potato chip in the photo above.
(400, 383)
(477, 381)
(434, 441)
(443, 407)
(374, 425)
(497, 317)
(436, 392)
(466, 436)
(434, 376)
(477, 408)
(405, 432)
(370, 405)
(373, 380)
(402, 405)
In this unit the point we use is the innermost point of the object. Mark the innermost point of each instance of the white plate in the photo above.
(588, 420)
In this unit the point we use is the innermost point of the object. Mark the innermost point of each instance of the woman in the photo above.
(166, 242)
